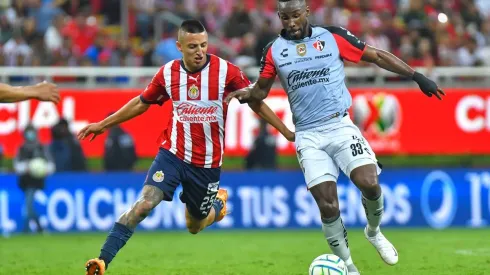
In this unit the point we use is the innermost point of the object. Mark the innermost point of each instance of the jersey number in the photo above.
(208, 200)
(356, 149)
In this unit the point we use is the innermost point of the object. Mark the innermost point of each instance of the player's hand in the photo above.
(242, 95)
(93, 129)
(290, 136)
(428, 86)
(46, 91)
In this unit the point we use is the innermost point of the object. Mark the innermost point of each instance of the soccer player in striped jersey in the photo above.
(43, 91)
(191, 152)
(309, 61)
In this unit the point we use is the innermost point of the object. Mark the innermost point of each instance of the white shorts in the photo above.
(323, 150)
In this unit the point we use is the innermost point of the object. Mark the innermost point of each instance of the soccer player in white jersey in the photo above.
(43, 91)
(309, 63)
(191, 152)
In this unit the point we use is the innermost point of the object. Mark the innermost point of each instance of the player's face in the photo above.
(294, 19)
(193, 47)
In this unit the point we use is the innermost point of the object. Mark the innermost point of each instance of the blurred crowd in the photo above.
(89, 32)
(65, 152)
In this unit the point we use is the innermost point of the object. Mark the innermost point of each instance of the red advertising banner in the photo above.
(395, 121)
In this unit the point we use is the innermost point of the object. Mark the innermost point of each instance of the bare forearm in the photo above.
(260, 90)
(14, 94)
(257, 94)
(393, 64)
(132, 109)
(265, 112)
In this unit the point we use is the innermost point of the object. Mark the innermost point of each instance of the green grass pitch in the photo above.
(422, 251)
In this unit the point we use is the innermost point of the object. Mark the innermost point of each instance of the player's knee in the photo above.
(367, 182)
(329, 207)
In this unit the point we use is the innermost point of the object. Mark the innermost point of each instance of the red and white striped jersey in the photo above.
(197, 131)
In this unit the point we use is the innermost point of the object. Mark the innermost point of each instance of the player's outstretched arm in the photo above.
(265, 112)
(43, 91)
(255, 92)
(393, 64)
(133, 108)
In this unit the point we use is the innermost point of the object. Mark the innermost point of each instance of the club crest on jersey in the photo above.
(319, 45)
(193, 92)
(158, 176)
(301, 49)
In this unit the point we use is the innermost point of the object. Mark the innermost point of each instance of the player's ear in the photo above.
(179, 46)
(307, 11)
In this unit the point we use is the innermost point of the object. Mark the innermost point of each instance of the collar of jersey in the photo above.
(306, 38)
(208, 59)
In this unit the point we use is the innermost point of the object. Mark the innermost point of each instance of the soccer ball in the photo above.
(328, 264)
(38, 168)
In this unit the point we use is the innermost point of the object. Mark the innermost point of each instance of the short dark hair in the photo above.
(192, 26)
(291, 2)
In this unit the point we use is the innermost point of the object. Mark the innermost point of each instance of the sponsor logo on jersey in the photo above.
(301, 49)
(188, 112)
(299, 79)
(284, 52)
(193, 92)
(323, 56)
(297, 76)
(319, 45)
(285, 64)
(304, 59)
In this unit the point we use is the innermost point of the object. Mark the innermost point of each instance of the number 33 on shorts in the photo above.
(359, 146)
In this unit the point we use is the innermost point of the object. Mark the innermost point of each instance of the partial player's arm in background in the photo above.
(43, 91)
(154, 93)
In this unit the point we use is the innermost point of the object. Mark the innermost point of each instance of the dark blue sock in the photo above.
(217, 205)
(118, 236)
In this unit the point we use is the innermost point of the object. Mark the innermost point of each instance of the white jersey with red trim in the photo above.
(196, 133)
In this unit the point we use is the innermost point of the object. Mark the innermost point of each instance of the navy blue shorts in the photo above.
(200, 185)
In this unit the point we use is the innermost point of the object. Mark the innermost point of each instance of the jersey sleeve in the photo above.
(350, 47)
(236, 79)
(155, 92)
(267, 66)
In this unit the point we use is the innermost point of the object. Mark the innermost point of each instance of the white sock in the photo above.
(374, 213)
(336, 236)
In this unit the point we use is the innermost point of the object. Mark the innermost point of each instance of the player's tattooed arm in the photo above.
(150, 198)
(393, 64)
